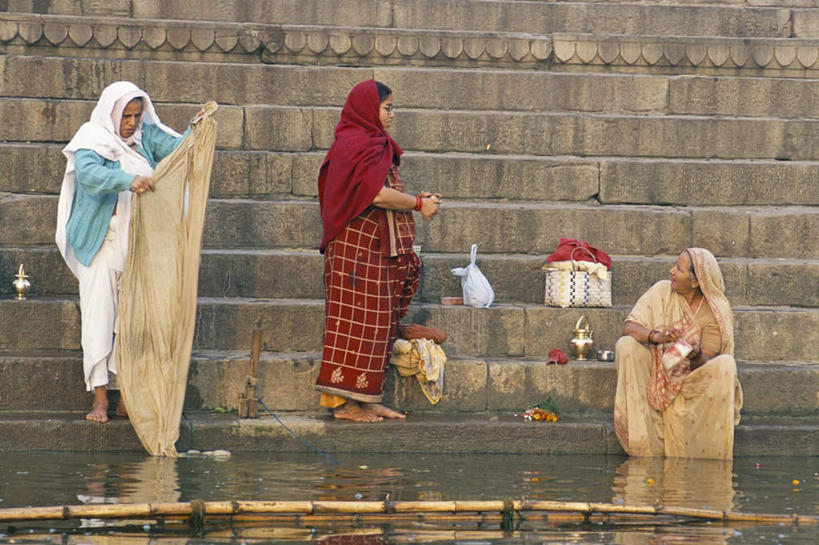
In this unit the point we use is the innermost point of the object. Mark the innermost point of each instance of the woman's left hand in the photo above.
(199, 115)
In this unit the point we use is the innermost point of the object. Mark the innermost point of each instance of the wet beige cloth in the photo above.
(424, 359)
(679, 413)
(157, 305)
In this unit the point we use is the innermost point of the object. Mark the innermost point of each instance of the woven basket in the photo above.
(575, 288)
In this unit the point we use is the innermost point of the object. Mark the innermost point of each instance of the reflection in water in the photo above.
(758, 486)
(151, 480)
(681, 482)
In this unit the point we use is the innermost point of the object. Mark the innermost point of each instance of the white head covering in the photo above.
(119, 108)
(101, 135)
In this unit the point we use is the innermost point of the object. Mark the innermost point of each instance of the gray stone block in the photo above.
(594, 18)
(365, 13)
(777, 284)
(771, 335)
(723, 230)
(258, 224)
(515, 385)
(246, 84)
(780, 389)
(31, 168)
(52, 77)
(279, 129)
(45, 267)
(287, 274)
(464, 389)
(784, 232)
(27, 219)
(39, 325)
(528, 228)
(513, 178)
(716, 183)
(739, 96)
(524, 91)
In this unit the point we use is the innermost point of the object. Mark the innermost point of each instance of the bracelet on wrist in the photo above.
(419, 202)
(650, 334)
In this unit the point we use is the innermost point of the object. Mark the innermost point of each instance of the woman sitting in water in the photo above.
(689, 409)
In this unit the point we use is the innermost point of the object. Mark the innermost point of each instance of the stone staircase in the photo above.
(641, 128)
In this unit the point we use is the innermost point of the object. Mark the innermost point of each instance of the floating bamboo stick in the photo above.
(360, 510)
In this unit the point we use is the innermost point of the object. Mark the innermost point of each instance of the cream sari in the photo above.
(681, 413)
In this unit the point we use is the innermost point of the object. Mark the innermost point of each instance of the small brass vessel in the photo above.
(21, 284)
(582, 342)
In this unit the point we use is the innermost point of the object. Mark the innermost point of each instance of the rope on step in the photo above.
(297, 436)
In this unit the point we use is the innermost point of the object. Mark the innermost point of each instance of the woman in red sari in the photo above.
(370, 269)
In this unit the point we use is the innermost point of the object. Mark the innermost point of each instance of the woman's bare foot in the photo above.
(122, 412)
(352, 410)
(99, 408)
(382, 410)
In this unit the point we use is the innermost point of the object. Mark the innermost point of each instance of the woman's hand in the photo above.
(667, 335)
(429, 204)
(697, 357)
(141, 183)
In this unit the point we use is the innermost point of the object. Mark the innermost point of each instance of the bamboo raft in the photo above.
(503, 511)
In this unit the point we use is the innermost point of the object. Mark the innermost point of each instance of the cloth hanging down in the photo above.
(157, 309)
(424, 359)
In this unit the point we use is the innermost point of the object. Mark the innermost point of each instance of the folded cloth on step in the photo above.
(556, 355)
(424, 359)
(595, 269)
(417, 331)
(566, 251)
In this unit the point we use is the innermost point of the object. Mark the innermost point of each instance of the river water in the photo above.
(756, 485)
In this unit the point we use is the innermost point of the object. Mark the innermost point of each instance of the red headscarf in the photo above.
(355, 168)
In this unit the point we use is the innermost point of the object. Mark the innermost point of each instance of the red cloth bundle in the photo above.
(565, 251)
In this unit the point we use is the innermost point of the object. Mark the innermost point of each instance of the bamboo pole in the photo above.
(431, 510)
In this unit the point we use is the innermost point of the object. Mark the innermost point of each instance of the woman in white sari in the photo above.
(688, 409)
(110, 158)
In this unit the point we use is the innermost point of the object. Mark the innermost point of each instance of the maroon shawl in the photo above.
(356, 167)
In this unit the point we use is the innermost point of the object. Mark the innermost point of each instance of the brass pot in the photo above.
(21, 284)
(582, 342)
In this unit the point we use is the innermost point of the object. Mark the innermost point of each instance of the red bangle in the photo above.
(418, 203)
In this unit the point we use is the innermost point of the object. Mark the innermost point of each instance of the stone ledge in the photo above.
(722, 53)
(469, 433)
(275, 43)
(385, 46)
(286, 383)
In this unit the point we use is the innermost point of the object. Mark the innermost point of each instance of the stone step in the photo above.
(515, 278)
(767, 334)
(421, 88)
(296, 129)
(118, 37)
(498, 227)
(31, 168)
(496, 15)
(568, 49)
(286, 383)
(480, 433)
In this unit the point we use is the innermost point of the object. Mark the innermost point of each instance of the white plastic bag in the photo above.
(476, 289)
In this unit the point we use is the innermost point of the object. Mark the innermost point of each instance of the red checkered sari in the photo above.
(370, 276)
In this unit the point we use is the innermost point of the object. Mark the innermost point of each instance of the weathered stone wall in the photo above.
(642, 128)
